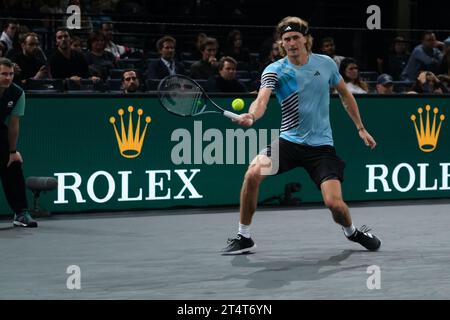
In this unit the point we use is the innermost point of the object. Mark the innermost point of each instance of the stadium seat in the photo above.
(85, 85)
(186, 56)
(368, 75)
(55, 85)
(114, 84)
(152, 84)
(243, 74)
(116, 73)
(153, 55)
(130, 64)
(187, 63)
(247, 83)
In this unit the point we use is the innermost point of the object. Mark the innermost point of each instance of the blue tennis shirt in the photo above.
(304, 95)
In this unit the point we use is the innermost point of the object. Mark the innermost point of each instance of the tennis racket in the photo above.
(183, 96)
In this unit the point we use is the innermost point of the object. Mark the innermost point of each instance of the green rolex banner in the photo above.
(125, 152)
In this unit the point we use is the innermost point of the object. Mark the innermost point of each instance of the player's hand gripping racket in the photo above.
(184, 97)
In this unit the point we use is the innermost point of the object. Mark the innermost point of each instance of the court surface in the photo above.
(302, 254)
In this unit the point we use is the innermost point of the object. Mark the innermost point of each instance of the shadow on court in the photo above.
(279, 273)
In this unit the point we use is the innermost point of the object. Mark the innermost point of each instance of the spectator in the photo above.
(31, 61)
(207, 66)
(100, 62)
(10, 34)
(426, 57)
(117, 50)
(196, 51)
(329, 49)
(396, 59)
(166, 65)
(273, 56)
(65, 62)
(385, 84)
(350, 72)
(75, 44)
(428, 83)
(445, 80)
(130, 81)
(444, 67)
(12, 104)
(234, 47)
(226, 80)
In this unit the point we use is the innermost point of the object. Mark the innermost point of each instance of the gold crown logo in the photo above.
(427, 136)
(130, 143)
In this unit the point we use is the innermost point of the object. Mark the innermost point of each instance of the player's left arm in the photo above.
(13, 130)
(13, 136)
(350, 105)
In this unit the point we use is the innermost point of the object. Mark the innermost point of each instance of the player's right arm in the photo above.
(269, 82)
(257, 108)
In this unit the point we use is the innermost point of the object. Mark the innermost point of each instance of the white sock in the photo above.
(244, 230)
(349, 230)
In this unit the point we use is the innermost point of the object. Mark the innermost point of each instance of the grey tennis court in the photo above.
(175, 254)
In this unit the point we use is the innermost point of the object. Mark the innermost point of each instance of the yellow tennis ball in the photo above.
(238, 104)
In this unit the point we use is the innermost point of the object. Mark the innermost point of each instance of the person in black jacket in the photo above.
(226, 80)
(166, 65)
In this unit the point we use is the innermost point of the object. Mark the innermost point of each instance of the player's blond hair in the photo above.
(295, 20)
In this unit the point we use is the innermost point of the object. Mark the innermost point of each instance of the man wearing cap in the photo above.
(385, 84)
(301, 82)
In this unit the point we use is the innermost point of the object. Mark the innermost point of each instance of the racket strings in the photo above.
(181, 96)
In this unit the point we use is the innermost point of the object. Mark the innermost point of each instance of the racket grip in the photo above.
(231, 115)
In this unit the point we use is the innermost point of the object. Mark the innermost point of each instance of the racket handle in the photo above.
(231, 115)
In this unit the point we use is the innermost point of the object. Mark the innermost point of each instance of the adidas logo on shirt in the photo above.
(317, 73)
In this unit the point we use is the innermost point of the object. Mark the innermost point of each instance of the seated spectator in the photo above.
(30, 61)
(196, 53)
(100, 62)
(349, 71)
(207, 66)
(426, 57)
(166, 65)
(130, 82)
(385, 84)
(273, 56)
(445, 80)
(234, 47)
(428, 83)
(117, 50)
(68, 63)
(396, 59)
(75, 44)
(10, 34)
(329, 49)
(226, 80)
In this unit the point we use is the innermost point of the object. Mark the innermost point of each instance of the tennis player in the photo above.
(301, 81)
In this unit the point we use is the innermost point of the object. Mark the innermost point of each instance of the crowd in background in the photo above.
(90, 59)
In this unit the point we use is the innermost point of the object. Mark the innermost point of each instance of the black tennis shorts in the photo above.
(321, 162)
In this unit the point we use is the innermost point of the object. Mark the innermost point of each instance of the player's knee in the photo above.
(334, 204)
(253, 175)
